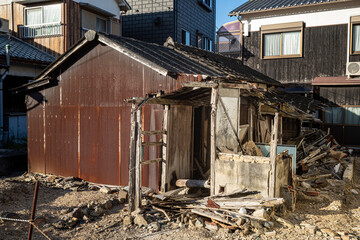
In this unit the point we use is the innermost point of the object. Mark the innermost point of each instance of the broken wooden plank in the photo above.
(151, 161)
(155, 132)
(211, 215)
(149, 144)
(192, 183)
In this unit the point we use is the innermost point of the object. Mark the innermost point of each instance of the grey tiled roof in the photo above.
(261, 5)
(23, 50)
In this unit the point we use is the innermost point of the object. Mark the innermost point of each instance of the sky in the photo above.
(223, 7)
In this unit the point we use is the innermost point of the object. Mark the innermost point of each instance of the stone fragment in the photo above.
(270, 234)
(261, 213)
(310, 228)
(77, 213)
(105, 190)
(127, 220)
(240, 222)
(199, 223)
(353, 191)
(155, 226)
(140, 220)
(122, 196)
(211, 226)
(136, 212)
(306, 185)
(108, 204)
(243, 210)
(97, 211)
(268, 224)
(328, 232)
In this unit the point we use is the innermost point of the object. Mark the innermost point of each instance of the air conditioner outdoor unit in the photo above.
(353, 69)
(4, 25)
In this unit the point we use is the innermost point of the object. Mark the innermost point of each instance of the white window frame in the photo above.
(280, 29)
(106, 23)
(354, 21)
(42, 14)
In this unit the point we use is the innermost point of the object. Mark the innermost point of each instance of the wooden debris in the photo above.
(251, 149)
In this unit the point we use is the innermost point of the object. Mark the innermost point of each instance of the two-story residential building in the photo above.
(54, 26)
(191, 22)
(311, 47)
(19, 63)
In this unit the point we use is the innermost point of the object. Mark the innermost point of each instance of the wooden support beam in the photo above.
(251, 124)
(152, 144)
(273, 147)
(214, 102)
(200, 84)
(138, 166)
(164, 149)
(155, 132)
(192, 183)
(151, 161)
(132, 160)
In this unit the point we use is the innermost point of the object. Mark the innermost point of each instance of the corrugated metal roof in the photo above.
(23, 50)
(173, 60)
(181, 59)
(262, 5)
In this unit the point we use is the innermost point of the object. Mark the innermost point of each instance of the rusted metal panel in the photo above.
(52, 132)
(35, 122)
(91, 137)
(107, 164)
(89, 133)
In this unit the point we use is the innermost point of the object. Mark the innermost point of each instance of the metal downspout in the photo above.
(241, 38)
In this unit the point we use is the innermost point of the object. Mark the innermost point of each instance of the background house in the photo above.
(191, 22)
(54, 26)
(308, 46)
(19, 63)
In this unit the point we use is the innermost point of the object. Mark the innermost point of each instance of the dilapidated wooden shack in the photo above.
(79, 124)
(208, 134)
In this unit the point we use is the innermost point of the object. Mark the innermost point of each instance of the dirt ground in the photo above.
(335, 211)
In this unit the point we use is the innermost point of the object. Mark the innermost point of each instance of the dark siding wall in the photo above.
(189, 15)
(140, 23)
(193, 17)
(84, 128)
(341, 95)
(324, 54)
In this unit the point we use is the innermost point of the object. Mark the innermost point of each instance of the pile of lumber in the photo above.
(320, 157)
(226, 211)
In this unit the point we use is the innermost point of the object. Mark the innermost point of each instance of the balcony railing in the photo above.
(41, 30)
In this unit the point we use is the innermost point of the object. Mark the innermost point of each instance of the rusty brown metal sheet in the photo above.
(87, 122)
(35, 129)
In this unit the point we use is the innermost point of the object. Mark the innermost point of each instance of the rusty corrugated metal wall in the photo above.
(83, 130)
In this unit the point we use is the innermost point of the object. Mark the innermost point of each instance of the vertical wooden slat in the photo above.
(273, 146)
(214, 101)
(251, 124)
(164, 149)
(138, 166)
(132, 160)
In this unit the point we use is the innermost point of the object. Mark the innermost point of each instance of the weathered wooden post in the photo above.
(164, 149)
(138, 166)
(133, 137)
(214, 102)
(273, 147)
